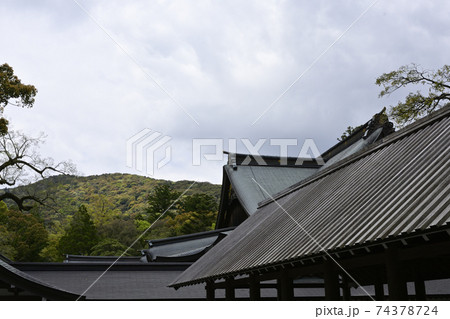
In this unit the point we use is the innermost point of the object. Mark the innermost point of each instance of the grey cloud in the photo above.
(224, 62)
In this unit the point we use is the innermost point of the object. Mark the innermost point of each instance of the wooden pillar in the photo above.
(419, 287)
(379, 290)
(346, 294)
(395, 277)
(285, 287)
(229, 289)
(255, 288)
(210, 290)
(379, 283)
(331, 277)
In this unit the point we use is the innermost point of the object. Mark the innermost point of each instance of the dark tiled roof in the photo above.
(103, 259)
(19, 279)
(399, 186)
(120, 285)
(5, 259)
(123, 281)
(184, 248)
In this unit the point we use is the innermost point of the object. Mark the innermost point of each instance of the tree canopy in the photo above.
(416, 104)
(190, 214)
(22, 235)
(80, 236)
(161, 200)
(13, 91)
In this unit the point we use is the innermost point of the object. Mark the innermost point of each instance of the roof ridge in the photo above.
(207, 233)
(385, 141)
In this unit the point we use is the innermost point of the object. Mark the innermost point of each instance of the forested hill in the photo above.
(124, 192)
(102, 215)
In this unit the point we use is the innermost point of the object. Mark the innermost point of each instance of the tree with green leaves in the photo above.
(22, 235)
(161, 199)
(199, 202)
(192, 222)
(124, 231)
(102, 210)
(419, 103)
(14, 92)
(110, 247)
(80, 236)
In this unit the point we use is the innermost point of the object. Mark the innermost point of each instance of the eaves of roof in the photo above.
(19, 279)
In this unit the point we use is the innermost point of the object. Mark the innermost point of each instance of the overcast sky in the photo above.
(106, 70)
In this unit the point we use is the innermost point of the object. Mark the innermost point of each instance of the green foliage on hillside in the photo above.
(22, 235)
(124, 195)
(105, 214)
(173, 215)
(80, 236)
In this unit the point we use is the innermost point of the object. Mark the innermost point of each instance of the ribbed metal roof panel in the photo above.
(272, 179)
(398, 186)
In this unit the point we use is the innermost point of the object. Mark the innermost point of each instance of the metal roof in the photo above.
(103, 259)
(378, 121)
(356, 147)
(399, 185)
(191, 245)
(272, 178)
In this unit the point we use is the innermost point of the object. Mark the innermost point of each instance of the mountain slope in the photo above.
(124, 192)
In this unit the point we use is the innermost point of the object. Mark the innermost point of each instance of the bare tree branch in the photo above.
(21, 164)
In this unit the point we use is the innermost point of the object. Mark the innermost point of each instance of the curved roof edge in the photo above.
(19, 279)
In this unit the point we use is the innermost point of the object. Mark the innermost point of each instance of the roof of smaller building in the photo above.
(123, 281)
(184, 248)
(19, 279)
(5, 259)
(103, 259)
